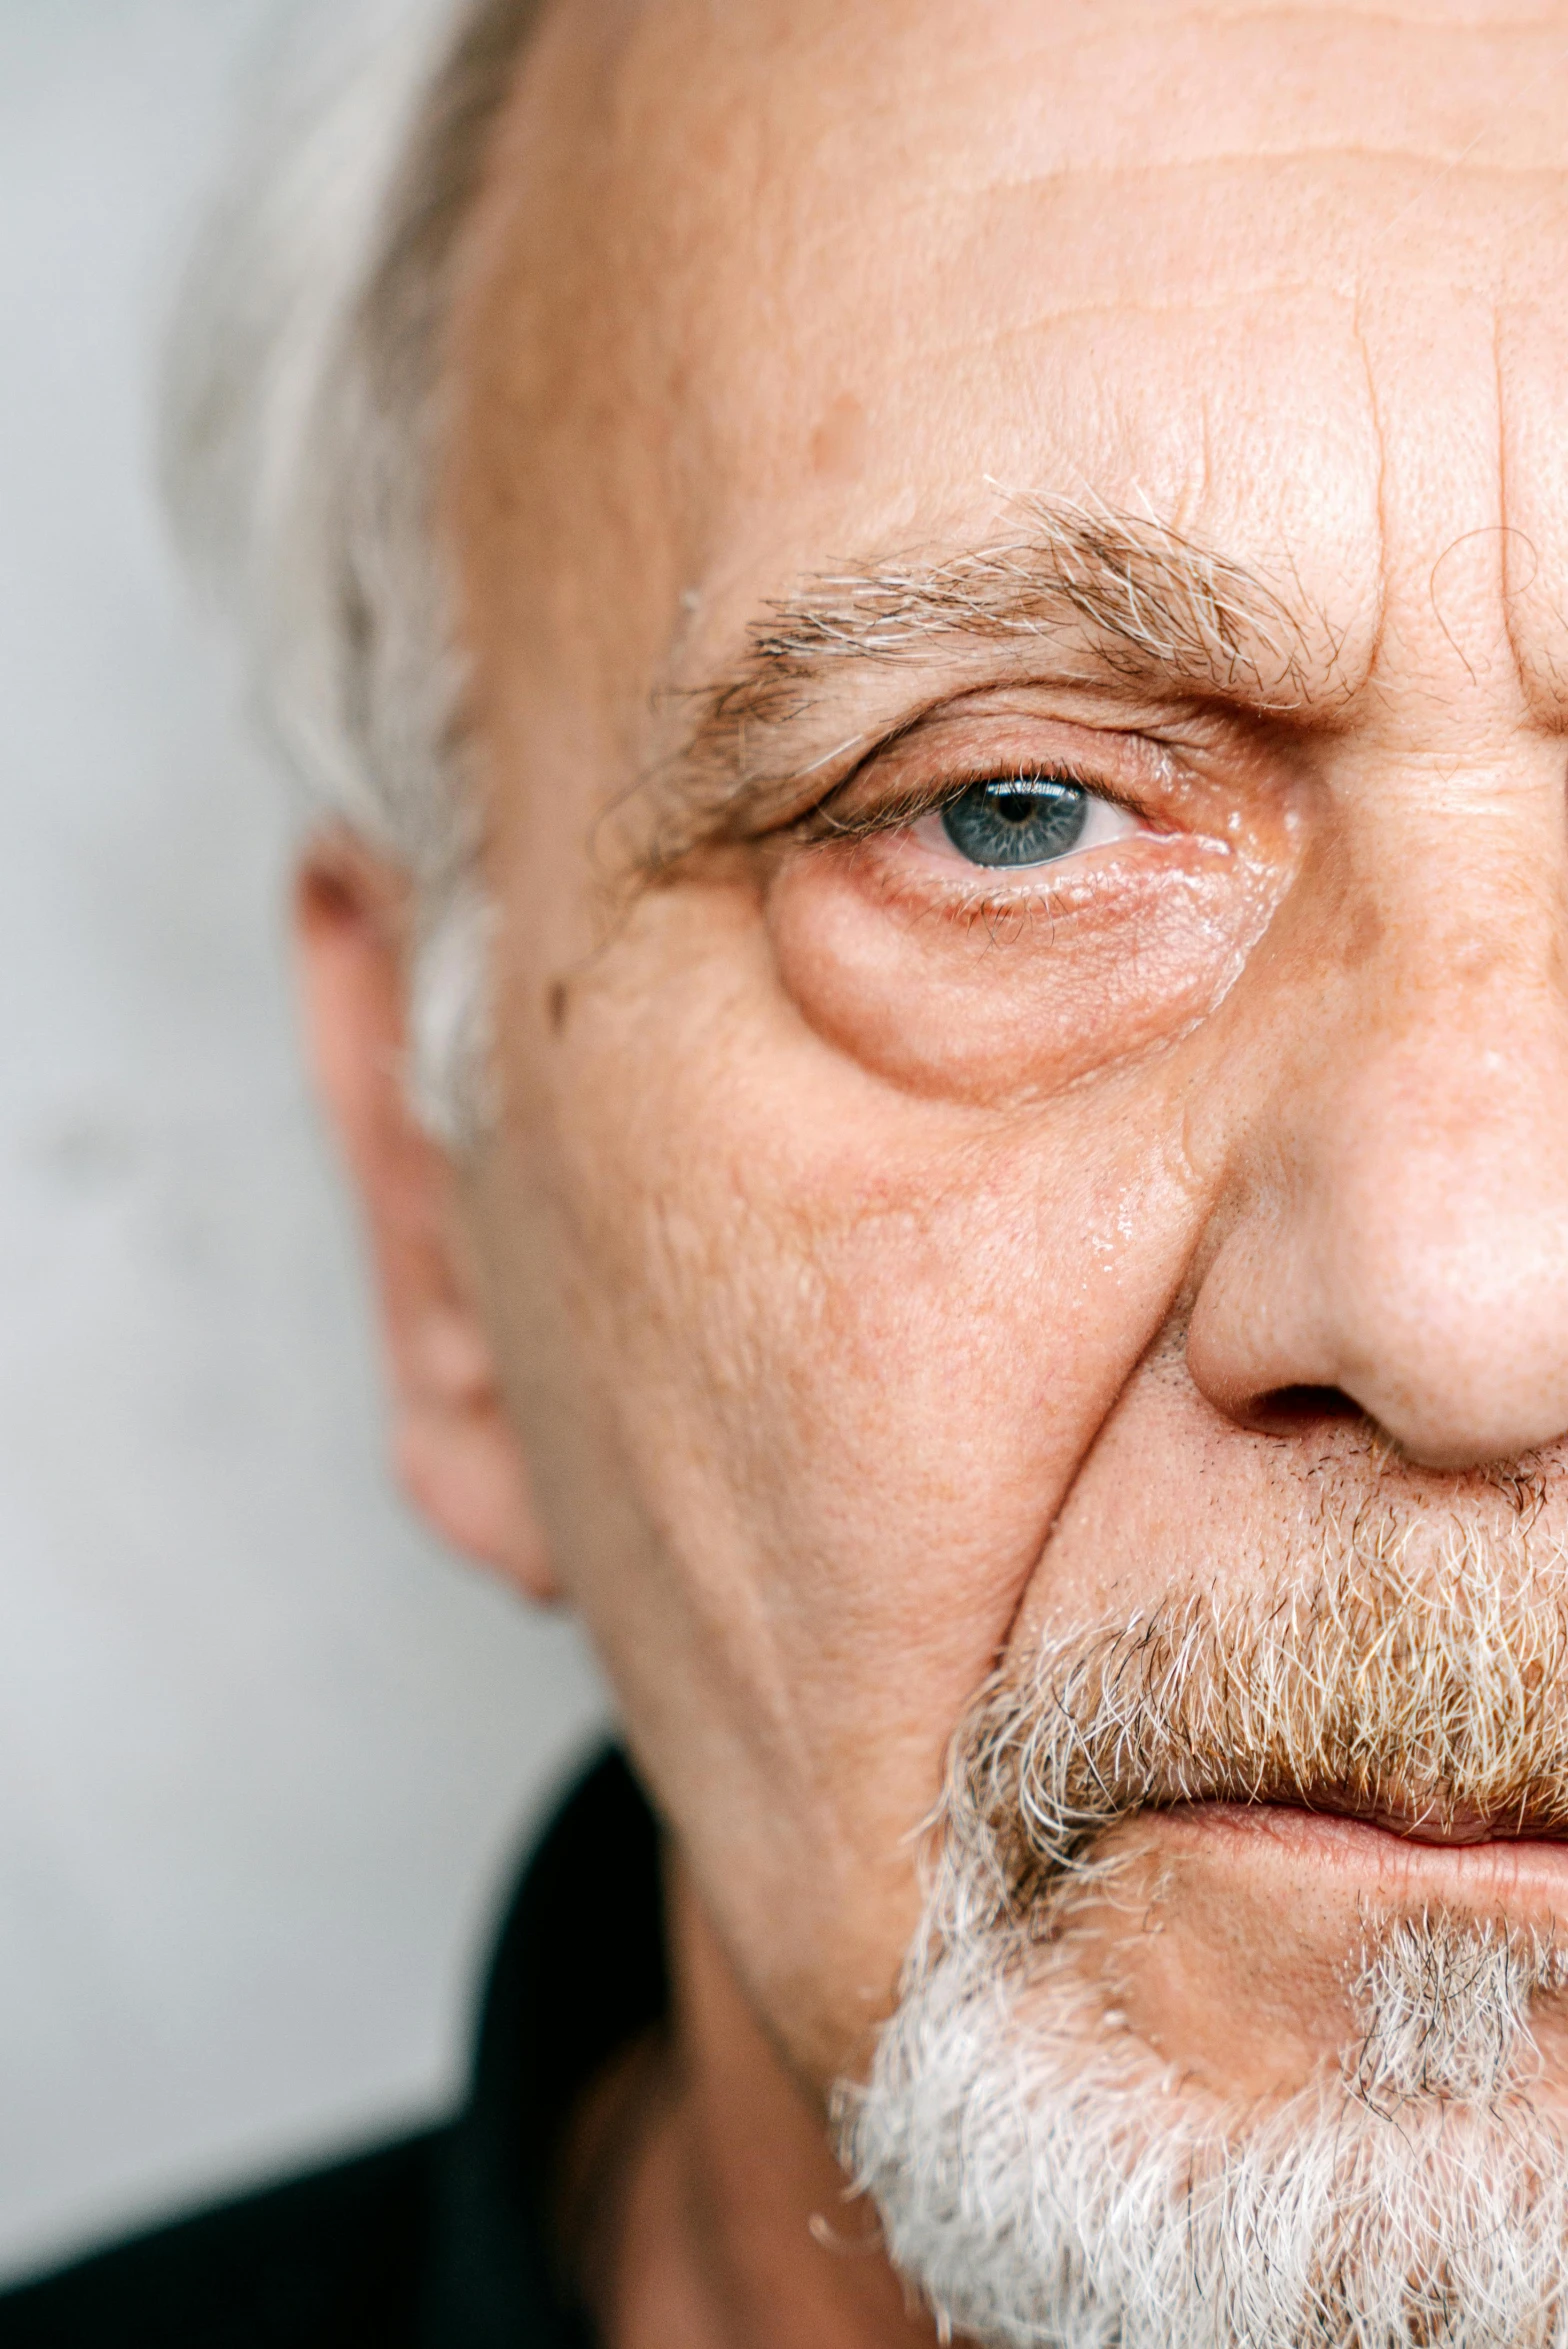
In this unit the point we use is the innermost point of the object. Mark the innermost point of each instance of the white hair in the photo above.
(304, 429)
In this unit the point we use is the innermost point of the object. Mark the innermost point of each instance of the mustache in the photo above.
(1410, 1673)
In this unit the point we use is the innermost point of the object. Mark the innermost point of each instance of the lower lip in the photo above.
(1511, 1871)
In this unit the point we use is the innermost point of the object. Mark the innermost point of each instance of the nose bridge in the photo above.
(1399, 1218)
(1422, 1139)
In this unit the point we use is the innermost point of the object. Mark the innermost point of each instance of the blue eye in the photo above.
(1017, 820)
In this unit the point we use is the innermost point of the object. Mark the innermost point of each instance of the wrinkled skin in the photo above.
(879, 1262)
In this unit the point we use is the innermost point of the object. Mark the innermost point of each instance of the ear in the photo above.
(458, 1458)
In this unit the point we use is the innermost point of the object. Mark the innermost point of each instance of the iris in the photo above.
(1017, 820)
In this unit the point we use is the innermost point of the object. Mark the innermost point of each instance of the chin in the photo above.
(1043, 2175)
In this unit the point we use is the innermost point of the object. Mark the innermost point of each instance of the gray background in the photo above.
(265, 1757)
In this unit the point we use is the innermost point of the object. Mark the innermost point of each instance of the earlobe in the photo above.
(458, 1456)
(467, 1477)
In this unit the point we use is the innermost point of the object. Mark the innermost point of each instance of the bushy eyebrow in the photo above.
(1109, 597)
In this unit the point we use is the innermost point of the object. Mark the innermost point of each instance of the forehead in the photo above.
(783, 280)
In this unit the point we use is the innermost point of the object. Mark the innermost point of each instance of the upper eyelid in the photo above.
(1078, 764)
(894, 813)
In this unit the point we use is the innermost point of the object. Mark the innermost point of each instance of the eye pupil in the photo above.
(1017, 820)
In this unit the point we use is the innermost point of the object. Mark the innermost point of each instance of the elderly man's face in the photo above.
(1016, 561)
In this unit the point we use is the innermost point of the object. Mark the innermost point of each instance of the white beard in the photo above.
(1043, 2178)
(1038, 2187)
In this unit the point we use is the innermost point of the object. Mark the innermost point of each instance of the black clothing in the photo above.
(439, 2242)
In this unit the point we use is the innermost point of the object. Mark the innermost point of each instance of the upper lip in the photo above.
(1432, 1818)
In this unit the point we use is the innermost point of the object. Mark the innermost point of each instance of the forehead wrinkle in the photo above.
(1126, 598)
(1311, 121)
(1108, 32)
(1460, 164)
(1430, 176)
(1341, 208)
(1540, 664)
(1049, 318)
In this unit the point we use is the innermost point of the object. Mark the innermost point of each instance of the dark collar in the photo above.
(579, 1972)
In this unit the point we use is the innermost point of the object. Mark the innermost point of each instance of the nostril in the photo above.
(1290, 1410)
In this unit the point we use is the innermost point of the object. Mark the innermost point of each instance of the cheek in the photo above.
(855, 1341)
(1004, 1002)
(836, 1351)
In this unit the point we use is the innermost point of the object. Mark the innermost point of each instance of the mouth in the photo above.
(1229, 1937)
(1383, 1857)
(1435, 1821)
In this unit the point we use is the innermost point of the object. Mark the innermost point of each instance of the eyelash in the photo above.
(821, 823)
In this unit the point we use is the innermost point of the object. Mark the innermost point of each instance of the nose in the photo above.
(1395, 1235)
